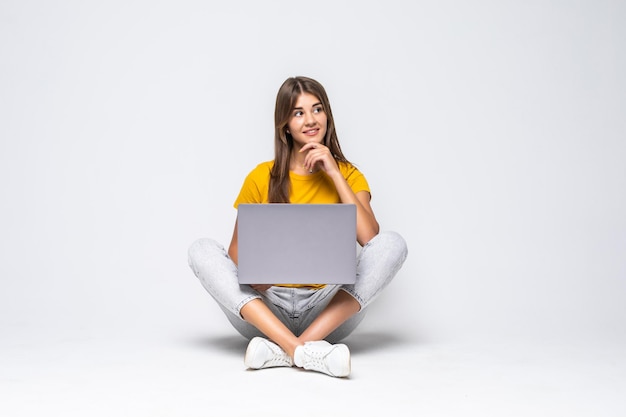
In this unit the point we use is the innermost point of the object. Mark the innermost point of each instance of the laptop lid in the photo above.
(296, 243)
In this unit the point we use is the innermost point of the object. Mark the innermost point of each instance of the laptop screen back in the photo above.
(296, 243)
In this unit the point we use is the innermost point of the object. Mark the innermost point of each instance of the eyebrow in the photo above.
(301, 108)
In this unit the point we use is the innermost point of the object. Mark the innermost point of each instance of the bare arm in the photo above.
(233, 252)
(233, 248)
(366, 224)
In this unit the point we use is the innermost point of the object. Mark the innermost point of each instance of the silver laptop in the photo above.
(296, 243)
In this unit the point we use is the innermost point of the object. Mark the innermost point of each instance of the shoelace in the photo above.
(279, 358)
(315, 358)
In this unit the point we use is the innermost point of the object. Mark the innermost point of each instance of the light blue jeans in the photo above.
(377, 263)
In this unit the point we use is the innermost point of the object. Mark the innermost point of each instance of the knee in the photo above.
(201, 248)
(396, 242)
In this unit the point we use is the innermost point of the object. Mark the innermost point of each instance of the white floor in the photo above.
(200, 372)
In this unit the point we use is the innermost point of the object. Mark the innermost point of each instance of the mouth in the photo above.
(311, 132)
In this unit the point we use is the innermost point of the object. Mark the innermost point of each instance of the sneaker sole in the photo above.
(344, 367)
(249, 358)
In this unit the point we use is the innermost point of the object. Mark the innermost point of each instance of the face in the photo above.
(308, 120)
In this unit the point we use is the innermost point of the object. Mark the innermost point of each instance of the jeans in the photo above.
(377, 263)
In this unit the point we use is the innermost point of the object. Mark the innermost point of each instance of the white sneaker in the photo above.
(321, 356)
(262, 353)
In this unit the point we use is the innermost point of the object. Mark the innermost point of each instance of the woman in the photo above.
(309, 168)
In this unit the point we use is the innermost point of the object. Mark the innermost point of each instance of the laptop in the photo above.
(296, 243)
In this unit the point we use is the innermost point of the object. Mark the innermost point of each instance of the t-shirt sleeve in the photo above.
(255, 186)
(356, 180)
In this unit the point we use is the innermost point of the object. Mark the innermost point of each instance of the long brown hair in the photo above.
(286, 98)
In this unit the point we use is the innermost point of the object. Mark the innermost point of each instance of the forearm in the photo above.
(366, 224)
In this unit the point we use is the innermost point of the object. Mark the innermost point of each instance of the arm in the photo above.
(233, 248)
(366, 224)
(233, 252)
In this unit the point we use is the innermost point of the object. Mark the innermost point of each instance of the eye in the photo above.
(318, 110)
(297, 113)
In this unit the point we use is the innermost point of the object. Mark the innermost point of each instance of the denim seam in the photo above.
(355, 296)
(245, 301)
(318, 301)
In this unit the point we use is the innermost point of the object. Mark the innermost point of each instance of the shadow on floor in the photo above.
(364, 342)
(231, 344)
(358, 342)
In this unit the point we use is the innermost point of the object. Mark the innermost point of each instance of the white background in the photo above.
(492, 134)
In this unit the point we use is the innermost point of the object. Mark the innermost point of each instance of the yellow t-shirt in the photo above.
(316, 188)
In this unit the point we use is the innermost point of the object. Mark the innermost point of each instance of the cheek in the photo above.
(292, 125)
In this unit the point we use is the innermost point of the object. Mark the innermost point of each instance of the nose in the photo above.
(309, 119)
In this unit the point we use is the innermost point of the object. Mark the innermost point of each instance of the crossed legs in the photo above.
(341, 307)
(247, 310)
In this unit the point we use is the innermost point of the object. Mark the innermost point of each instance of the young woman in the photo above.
(291, 325)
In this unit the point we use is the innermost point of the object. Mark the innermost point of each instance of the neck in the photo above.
(296, 165)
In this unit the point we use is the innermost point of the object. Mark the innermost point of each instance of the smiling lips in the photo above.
(311, 132)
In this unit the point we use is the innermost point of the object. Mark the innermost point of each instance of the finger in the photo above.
(316, 155)
(312, 145)
(311, 160)
(307, 147)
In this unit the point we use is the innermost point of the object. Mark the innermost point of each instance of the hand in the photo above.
(260, 287)
(320, 156)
